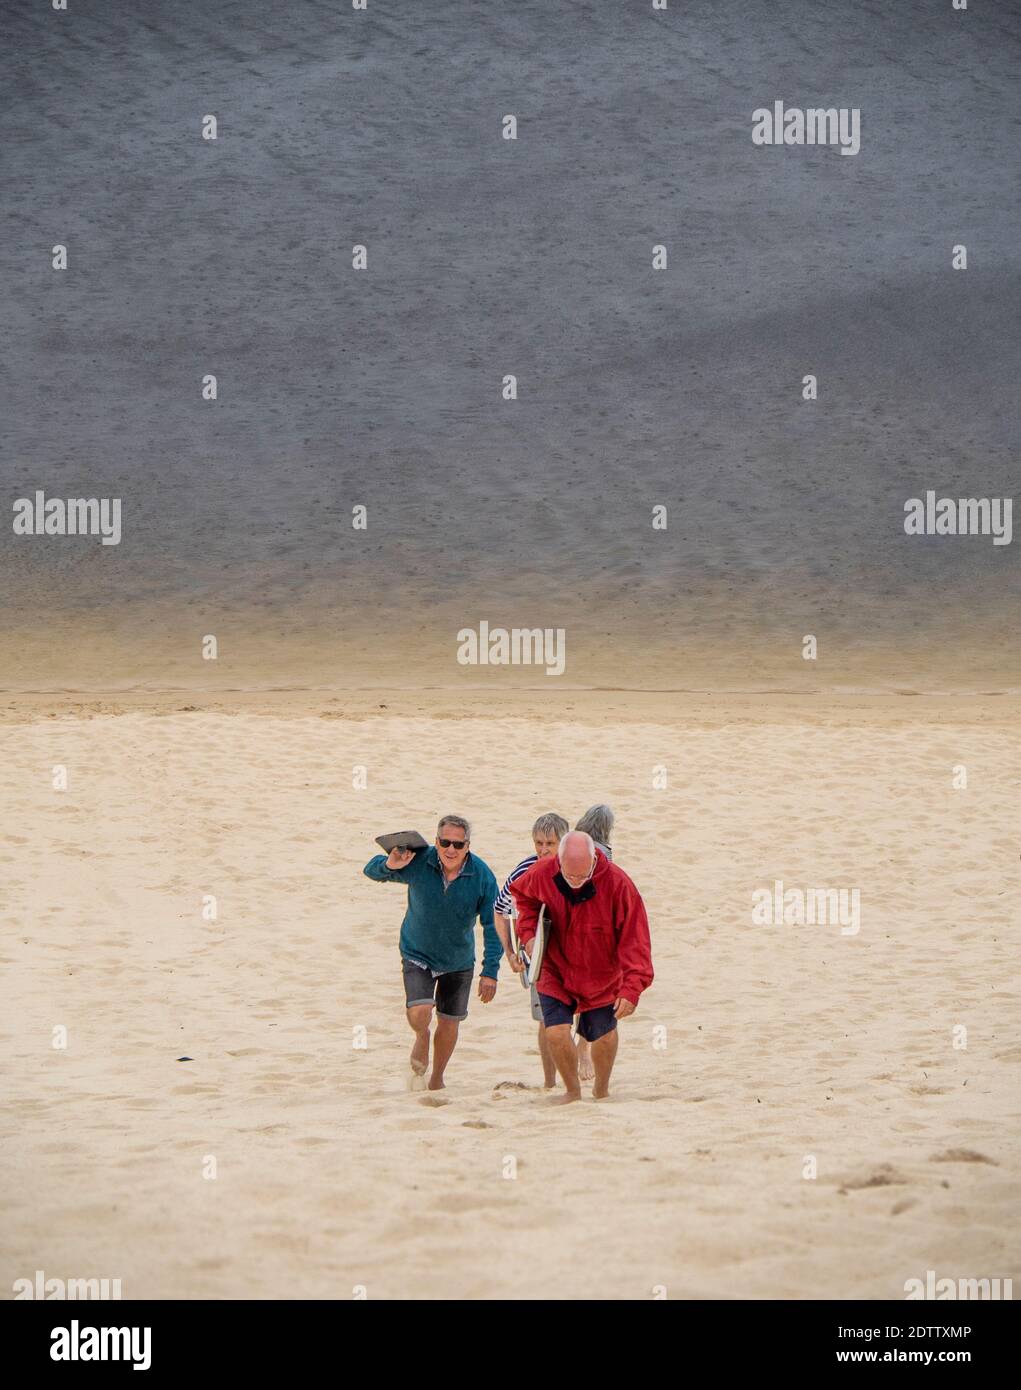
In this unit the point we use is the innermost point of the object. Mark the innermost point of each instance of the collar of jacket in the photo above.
(574, 895)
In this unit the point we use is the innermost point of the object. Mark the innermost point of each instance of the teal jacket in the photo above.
(439, 925)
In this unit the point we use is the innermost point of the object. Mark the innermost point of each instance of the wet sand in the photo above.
(382, 388)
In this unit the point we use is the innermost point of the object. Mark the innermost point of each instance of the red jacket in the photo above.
(596, 951)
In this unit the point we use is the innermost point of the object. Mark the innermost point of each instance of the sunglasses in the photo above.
(452, 844)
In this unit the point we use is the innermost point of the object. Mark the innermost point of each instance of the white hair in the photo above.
(598, 821)
(459, 821)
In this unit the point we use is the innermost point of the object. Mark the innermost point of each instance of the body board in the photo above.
(402, 839)
(538, 948)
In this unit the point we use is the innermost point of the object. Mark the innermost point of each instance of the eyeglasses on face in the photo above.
(451, 844)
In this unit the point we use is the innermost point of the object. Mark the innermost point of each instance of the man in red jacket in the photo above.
(598, 956)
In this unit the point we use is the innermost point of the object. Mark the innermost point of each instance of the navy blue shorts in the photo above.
(448, 992)
(592, 1024)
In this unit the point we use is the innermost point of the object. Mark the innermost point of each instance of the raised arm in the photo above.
(392, 867)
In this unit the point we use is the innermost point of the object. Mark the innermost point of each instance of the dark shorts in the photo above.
(592, 1024)
(448, 992)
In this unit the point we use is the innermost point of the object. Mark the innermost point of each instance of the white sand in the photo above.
(781, 1042)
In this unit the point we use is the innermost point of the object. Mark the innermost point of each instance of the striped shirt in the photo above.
(504, 903)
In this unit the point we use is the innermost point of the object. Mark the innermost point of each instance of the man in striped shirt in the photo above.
(546, 835)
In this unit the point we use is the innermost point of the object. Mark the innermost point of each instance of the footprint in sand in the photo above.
(434, 1100)
(962, 1156)
(883, 1175)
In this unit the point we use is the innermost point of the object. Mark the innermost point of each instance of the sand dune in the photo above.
(213, 1127)
(780, 1042)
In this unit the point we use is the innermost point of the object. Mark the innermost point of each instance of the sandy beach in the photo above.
(756, 1048)
(359, 375)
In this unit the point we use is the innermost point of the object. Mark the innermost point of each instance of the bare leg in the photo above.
(443, 1045)
(565, 1056)
(604, 1050)
(419, 1017)
(585, 1068)
(549, 1071)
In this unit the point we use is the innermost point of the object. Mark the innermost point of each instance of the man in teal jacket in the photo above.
(448, 887)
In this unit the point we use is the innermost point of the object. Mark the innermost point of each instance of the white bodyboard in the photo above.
(538, 949)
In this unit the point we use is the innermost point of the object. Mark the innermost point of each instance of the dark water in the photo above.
(487, 257)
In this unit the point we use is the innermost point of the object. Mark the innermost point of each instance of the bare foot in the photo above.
(565, 1099)
(600, 1092)
(436, 1083)
(586, 1071)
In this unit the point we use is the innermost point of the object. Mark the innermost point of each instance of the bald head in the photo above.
(577, 857)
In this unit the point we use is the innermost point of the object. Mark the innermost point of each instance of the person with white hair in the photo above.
(598, 958)
(598, 822)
